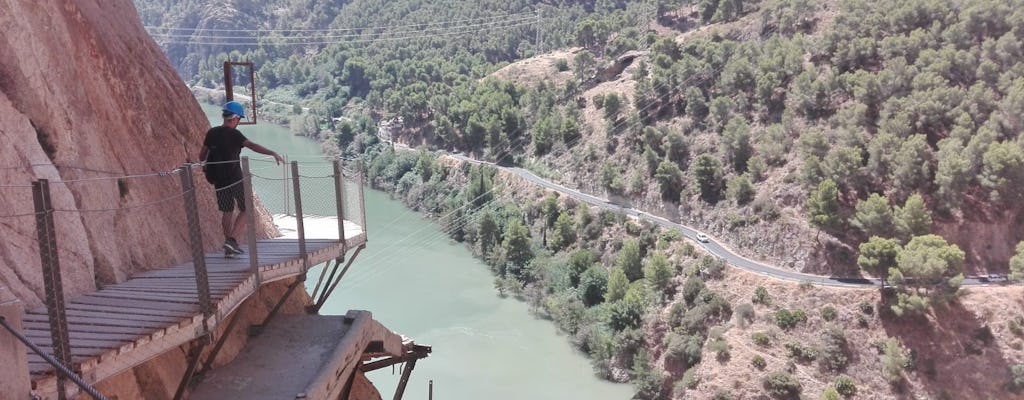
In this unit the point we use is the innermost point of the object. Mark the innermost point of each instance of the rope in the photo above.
(68, 373)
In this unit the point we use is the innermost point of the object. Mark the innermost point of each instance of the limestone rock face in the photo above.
(86, 96)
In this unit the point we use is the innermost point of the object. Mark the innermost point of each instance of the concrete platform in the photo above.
(299, 357)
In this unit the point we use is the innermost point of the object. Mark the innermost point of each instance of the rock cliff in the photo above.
(87, 96)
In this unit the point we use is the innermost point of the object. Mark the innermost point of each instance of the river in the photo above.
(419, 283)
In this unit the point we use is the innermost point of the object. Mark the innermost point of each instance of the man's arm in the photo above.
(262, 150)
(202, 153)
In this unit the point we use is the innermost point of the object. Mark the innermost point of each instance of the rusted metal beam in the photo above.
(229, 87)
(52, 282)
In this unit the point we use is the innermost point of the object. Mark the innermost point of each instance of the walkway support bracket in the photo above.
(315, 308)
(46, 233)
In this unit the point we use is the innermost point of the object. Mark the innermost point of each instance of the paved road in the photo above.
(712, 246)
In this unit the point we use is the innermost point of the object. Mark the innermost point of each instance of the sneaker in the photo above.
(229, 254)
(230, 245)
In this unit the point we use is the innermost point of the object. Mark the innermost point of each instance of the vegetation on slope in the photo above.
(885, 127)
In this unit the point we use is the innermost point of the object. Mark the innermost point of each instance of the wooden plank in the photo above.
(124, 329)
(129, 310)
(140, 295)
(79, 335)
(102, 318)
(89, 299)
(82, 346)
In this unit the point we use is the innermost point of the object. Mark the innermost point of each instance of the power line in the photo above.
(250, 35)
(384, 27)
(272, 41)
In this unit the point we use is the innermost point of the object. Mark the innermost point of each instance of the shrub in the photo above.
(758, 362)
(685, 350)
(893, 361)
(782, 385)
(744, 315)
(867, 308)
(562, 65)
(862, 321)
(721, 396)
(761, 339)
(801, 352)
(834, 351)
(1017, 377)
(845, 386)
(787, 319)
(828, 313)
(1016, 325)
(761, 296)
(691, 379)
(830, 393)
(721, 349)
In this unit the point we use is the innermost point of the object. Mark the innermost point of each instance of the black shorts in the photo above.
(230, 196)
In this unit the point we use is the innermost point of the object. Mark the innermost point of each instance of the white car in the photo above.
(702, 238)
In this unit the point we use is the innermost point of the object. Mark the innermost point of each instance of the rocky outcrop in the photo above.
(87, 96)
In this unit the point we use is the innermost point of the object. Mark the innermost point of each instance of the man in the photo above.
(221, 149)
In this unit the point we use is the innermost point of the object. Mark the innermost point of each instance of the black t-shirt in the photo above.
(224, 144)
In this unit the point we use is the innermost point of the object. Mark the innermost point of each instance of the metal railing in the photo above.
(342, 198)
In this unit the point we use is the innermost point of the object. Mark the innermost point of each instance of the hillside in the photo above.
(845, 138)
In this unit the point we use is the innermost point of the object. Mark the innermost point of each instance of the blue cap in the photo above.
(235, 107)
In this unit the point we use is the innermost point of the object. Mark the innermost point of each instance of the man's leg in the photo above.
(238, 226)
(226, 223)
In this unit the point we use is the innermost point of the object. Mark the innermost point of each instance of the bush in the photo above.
(782, 385)
(867, 308)
(721, 349)
(1017, 377)
(721, 396)
(862, 321)
(685, 350)
(834, 351)
(758, 362)
(761, 339)
(801, 352)
(845, 386)
(830, 393)
(562, 65)
(828, 313)
(1016, 326)
(745, 315)
(691, 379)
(787, 319)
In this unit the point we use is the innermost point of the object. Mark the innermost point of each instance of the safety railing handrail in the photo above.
(44, 214)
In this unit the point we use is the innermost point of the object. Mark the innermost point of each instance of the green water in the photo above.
(420, 284)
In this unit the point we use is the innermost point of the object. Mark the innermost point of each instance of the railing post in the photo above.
(339, 183)
(250, 223)
(362, 197)
(51, 278)
(299, 225)
(195, 235)
(284, 187)
(14, 377)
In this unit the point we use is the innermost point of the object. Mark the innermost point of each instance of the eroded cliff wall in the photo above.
(86, 96)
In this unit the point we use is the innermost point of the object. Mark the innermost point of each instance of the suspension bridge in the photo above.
(194, 305)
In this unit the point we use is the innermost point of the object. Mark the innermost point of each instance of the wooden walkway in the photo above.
(125, 324)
